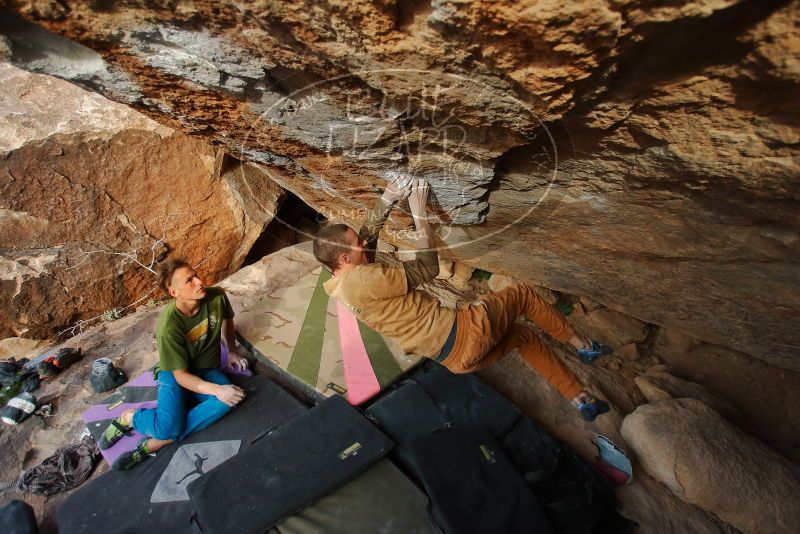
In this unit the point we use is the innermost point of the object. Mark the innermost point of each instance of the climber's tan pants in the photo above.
(487, 331)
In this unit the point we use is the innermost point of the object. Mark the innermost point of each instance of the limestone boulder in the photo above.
(498, 282)
(706, 461)
(445, 268)
(768, 395)
(462, 273)
(280, 269)
(588, 303)
(95, 194)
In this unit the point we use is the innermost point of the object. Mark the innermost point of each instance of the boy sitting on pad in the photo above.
(464, 341)
(193, 392)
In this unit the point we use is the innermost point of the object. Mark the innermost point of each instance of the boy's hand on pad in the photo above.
(230, 394)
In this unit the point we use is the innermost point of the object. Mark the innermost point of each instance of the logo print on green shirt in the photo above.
(198, 333)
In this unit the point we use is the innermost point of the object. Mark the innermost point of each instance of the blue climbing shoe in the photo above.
(589, 354)
(591, 407)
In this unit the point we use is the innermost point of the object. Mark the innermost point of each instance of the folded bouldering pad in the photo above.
(16, 517)
(472, 485)
(406, 412)
(467, 399)
(318, 342)
(483, 463)
(382, 499)
(152, 497)
(288, 469)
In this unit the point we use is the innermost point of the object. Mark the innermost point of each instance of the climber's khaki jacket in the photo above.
(384, 296)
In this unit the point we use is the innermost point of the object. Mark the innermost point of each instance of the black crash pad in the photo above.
(382, 499)
(152, 497)
(291, 467)
(16, 517)
(467, 400)
(406, 412)
(472, 484)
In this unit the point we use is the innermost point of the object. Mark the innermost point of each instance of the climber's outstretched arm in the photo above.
(425, 267)
(396, 190)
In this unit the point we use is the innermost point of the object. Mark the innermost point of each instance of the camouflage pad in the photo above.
(297, 329)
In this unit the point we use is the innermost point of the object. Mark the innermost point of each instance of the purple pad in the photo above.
(102, 416)
(125, 444)
(223, 363)
(143, 380)
(101, 411)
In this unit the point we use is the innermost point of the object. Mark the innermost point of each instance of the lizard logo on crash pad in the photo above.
(191, 461)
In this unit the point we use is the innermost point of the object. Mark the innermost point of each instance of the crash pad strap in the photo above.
(305, 360)
(383, 363)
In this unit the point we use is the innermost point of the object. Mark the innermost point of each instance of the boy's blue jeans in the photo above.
(180, 411)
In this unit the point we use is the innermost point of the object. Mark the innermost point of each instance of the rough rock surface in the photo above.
(498, 282)
(20, 347)
(708, 462)
(612, 327)
(659, 385)
(93, 194)
(646, 157)
(767, 396)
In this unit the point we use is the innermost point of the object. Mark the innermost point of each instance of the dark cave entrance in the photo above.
(294, 223)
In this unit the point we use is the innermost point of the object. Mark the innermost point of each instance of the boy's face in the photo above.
(186, 285)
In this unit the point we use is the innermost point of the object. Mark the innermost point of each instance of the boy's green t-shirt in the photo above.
(192, 342)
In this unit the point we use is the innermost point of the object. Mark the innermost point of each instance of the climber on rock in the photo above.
(464, 341)
(193, 392)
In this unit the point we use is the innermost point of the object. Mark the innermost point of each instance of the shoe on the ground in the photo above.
(589, 354)
(65, 357)
(129, 459)
(591, 407)
(19, 408)
(612, 461)
(115, 431)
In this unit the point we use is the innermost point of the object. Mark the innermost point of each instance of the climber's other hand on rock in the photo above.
(397, 189)
(419, 197)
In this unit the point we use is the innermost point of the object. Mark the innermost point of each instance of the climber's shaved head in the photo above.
(336, 244)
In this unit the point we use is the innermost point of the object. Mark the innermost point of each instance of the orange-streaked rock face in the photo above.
(644, 156)
(90, 188)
